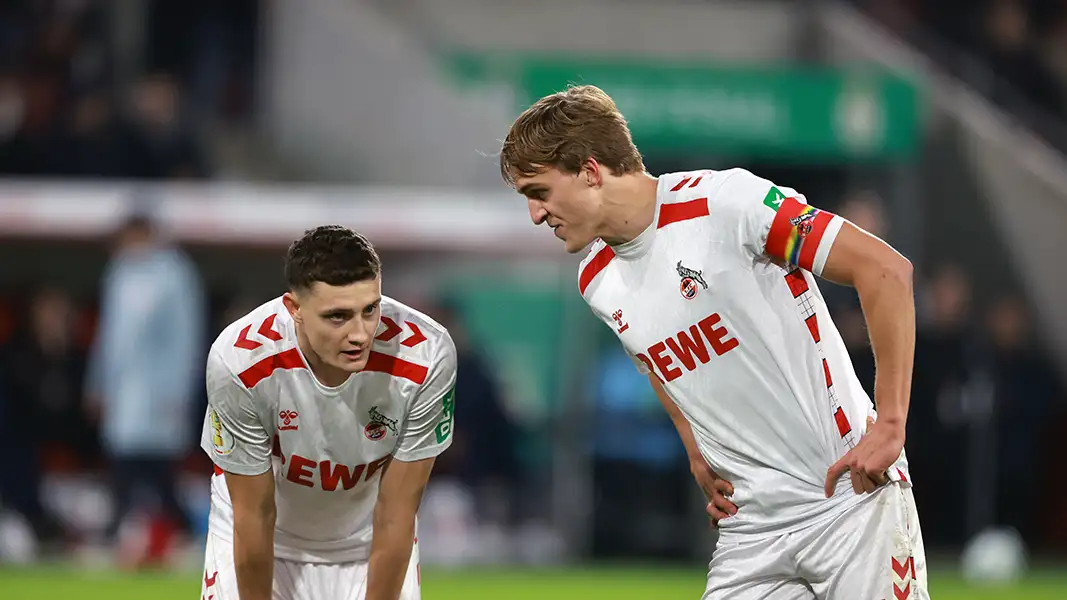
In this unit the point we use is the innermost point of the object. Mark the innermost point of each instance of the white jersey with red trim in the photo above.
(326, 445)
(717, 299)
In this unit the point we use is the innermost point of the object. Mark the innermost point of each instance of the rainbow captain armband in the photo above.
(802, 235)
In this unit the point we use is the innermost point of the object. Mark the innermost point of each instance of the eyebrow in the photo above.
(347, 311)
(337, 311)
(530, 187)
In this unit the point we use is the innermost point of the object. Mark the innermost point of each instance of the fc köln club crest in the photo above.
(690, 280)
(379, 426)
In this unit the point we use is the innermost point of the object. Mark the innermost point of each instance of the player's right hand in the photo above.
(716, 489)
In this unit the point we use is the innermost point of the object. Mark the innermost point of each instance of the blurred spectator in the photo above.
(1054, 47)
(1026, 395)
(1009, 48)
(60, 82)
(641, 477)
(47, 371)
(1020, 45)
(210, 47)
(938, 420)
(866, 210)
(44, 415)
(20, 153)
(146, 365)
(172, 150)
(853, 327)
(483, 453)
(94, 140)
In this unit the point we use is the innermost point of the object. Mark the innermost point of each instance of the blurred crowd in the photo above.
(85, 94)
(1015, 51)
(85, 382)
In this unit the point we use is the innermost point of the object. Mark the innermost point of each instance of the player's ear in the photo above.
(591, 173)
(292, 304)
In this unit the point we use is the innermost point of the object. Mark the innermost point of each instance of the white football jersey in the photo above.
(717, 299)
(326, 445)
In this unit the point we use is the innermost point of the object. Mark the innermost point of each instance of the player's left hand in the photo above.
(867, 463)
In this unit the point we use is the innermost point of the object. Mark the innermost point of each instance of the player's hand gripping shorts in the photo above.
(298, 580)
(874, 551)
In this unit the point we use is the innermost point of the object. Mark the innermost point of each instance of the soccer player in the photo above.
(707, 279)
(326, 409)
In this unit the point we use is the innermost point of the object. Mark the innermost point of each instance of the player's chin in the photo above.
(575, 245)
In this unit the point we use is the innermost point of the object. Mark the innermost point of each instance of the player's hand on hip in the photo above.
(716, 489)
(867, 463)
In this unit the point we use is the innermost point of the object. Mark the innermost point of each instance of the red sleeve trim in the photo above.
(810, 244)
(594, 267)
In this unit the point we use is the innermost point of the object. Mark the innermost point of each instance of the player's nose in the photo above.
(360, 335)
(538, 214)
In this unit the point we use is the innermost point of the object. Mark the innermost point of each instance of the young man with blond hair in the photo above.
(708, 279)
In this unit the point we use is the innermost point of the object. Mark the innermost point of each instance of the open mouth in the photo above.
(352, 354)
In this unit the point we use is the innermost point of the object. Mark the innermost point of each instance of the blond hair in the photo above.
(564, 130)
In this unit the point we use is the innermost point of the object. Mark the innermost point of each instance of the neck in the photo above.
(327, 375)
(629, 207)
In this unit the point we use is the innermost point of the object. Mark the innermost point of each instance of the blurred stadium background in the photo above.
(232, 126)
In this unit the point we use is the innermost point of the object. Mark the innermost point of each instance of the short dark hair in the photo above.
(331, 254)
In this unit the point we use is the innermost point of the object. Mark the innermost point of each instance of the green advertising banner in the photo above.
(807, 114)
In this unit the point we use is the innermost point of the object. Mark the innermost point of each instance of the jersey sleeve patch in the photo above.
(221, 439)
(799, 231)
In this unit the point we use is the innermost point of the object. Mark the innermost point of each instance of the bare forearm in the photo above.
(389, 556)
(888, 303)
(253, 546)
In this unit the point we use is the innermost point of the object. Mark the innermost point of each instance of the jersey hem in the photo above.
(835, 511)
(361, 554)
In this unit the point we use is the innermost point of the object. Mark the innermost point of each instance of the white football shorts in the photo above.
(299, 580)
(872, 551)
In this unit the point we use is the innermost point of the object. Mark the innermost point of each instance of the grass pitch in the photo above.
(614, 583)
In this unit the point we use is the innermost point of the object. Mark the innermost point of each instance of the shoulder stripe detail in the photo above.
(266, 329)
(681, 184)
(397, 367)
(594, 267)
(289, 359)
(682, 211)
